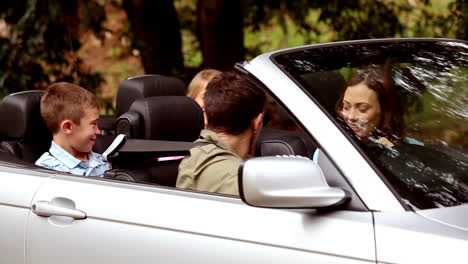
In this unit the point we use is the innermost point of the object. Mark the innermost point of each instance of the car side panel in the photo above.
(16, 193)
(411, 238)
(12, 229)
(134, 223)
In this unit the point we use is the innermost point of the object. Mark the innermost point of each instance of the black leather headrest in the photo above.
(173, 118)
(20, 117)
(289, 145)
(272, 142)
(144, 86)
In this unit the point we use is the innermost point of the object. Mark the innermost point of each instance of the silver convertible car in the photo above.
(315, 192)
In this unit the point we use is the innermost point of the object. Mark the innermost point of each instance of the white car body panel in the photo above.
(16, 192)
(410, 238)
(179, 227)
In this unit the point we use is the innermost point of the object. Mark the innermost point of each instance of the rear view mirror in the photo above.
(286, 182)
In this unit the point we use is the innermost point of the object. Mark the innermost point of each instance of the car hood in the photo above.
(454, 216)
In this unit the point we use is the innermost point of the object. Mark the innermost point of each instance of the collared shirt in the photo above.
(60, 160)
(211, 168)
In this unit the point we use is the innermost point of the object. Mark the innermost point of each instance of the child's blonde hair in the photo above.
(200, 81)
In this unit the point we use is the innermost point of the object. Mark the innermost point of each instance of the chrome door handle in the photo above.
(46, 209)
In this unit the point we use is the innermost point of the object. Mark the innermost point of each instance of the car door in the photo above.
(17, 188)
(132, 223)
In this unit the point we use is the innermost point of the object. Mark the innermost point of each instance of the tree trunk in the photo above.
(156, 33)
(220, 32)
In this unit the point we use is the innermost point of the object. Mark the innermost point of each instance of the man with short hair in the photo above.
(234, 114)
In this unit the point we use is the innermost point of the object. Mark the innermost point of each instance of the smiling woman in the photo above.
(369, 105)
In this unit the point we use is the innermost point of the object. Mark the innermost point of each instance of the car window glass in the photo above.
(417, 134)
(281, 134)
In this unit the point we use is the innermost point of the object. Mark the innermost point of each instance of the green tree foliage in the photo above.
(457, 18)
(333, 20)
(360, 19)
(349, 19)
(40, 40)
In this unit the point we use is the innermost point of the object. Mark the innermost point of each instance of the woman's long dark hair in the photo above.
(379, 79)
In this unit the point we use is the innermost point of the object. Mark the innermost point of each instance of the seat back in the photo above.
(168, 118)
(173, 118)
(144, 86)
(130, 90)
(272, 142)
(24, 134)
(161, 173)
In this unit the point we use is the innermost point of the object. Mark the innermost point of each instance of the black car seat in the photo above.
(144, 86)
(168, 118)
(23, 131)
(272, 142)
(130, 90)
(173, 118)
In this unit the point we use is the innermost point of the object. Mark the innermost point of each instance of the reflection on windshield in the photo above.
(405, 104)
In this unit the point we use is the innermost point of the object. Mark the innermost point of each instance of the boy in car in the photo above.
(71, 113)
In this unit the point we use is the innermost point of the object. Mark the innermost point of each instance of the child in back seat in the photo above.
(71, 114)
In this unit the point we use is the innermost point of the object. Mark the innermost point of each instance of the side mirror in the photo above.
(287, 182)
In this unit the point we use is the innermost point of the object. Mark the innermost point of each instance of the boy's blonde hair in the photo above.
(200, 81)
(65, 101)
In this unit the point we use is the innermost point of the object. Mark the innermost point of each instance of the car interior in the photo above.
(130, 90)
(149, 108)
(24, 135)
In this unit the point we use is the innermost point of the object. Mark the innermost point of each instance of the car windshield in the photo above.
(404, 103)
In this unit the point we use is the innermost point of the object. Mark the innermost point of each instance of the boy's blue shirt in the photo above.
(60, 160)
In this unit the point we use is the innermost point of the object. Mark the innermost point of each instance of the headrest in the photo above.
(173, 118)
(272, 142)
(144, 86)
(288, 145)
(20, 117)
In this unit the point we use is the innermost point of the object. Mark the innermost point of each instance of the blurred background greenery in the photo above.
(99, 43)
